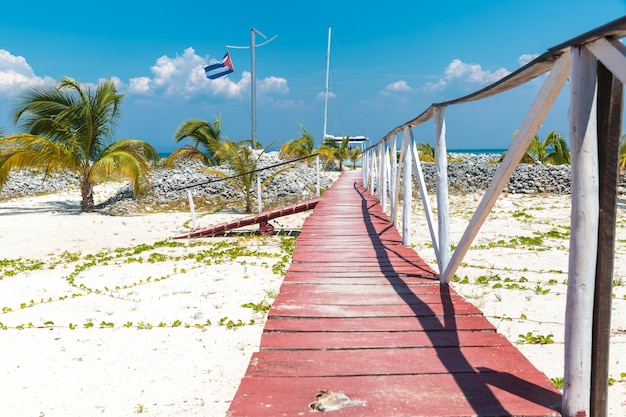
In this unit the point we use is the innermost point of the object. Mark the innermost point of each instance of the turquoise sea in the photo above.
(468, 151)
(478, 151)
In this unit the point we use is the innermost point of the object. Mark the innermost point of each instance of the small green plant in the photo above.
(533, 339)
(230, 324)
(540, 290)
(557, 382)
(262, 307)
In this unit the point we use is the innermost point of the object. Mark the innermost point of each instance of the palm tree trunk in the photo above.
(86, 191)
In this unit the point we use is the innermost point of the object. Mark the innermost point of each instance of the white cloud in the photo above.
(331, 95)
(471, 73)
(526, 58)
(399, 86)
(396, 88)
(15, 74)
(273, 84)
(139, 85)
(183, 76)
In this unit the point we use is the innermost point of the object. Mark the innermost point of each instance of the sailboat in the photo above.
(353, 139)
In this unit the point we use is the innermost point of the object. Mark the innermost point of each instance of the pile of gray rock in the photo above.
(471, 176)
(295, 183)
(466, 173)
(30, 182)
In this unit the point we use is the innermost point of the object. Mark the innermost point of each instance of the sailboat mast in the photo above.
(326, 89)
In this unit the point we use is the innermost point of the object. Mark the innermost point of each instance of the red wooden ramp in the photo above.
(362, 314)
(262, 219)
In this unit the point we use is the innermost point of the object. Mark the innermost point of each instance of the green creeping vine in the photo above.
(204, 253)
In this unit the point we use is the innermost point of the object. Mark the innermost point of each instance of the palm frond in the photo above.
(23, 151)
(204, 134)
(187, 153)
(125, 164)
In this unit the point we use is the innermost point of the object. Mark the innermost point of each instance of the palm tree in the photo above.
(205, 135)
(553, 150)
(426, 152)
(355, 154)
(298, 148)
(69, 127)
(331, 152)
(243, 162)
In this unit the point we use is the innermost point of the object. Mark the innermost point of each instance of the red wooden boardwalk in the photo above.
(360, 313)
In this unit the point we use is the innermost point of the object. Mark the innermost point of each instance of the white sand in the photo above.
(530, 279)
(49, 369)
(52, 370)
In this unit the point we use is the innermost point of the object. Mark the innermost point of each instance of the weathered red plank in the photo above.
(352, 278)
(445, 395)
(249, 220)
(399, 310)
(379, 340)
(356, 299)
(378, 324)
(397, 361)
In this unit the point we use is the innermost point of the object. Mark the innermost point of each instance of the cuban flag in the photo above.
(220, 68)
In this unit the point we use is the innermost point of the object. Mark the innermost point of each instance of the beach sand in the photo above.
(106, 315)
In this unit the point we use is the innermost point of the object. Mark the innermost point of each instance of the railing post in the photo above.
(382, 178)
(365, 169)
(424, 194)
(193, 210)
(443, 206)
(399, 166)
(393, 175)
(407, 187)
(584, 233)
(317, 169)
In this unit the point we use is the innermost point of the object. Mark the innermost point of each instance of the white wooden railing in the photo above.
(595, 64)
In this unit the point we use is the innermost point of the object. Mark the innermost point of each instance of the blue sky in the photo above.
(389, 62)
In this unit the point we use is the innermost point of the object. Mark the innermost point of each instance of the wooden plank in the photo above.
(416, 310)
(351, 299)
(380, 324)
(379, 340)
(370, 286)
(397, 361)
(481, 393)
(612, 54)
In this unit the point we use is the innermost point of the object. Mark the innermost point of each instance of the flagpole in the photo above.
(253, 84)
(253, 47)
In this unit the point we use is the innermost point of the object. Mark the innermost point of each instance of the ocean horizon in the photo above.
(495, 151)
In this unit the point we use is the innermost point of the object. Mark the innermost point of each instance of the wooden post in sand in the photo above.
(443, 206)
(584, 233)
(610, 109)
(192, 209)
(382, 177)
(611, 76)
(394, 180)
(417, 165)
(407, 187)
